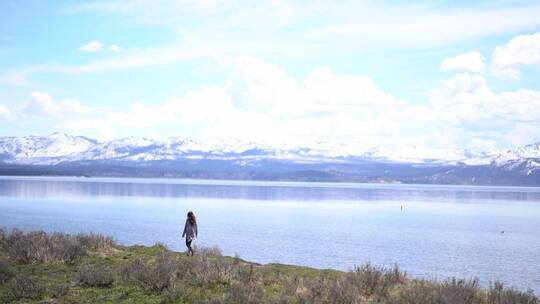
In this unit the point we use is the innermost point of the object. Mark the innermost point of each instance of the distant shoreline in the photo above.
(263, 183)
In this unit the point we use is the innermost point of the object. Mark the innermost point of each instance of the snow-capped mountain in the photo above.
(124, 148)
(226, 157)
(29, 149)
(58, 147)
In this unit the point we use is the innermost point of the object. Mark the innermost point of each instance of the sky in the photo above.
(437, 74)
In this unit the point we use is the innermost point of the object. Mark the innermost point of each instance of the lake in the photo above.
(492, 233)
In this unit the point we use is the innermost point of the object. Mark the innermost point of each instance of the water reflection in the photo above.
(65, 186)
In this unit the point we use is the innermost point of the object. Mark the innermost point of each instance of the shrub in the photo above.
(40, 247)
(18, 247)
(5, 272)
(94, 276)
(154, 276)
(161, 246)
(450, 291)
(370, 280)
(3, 234)
(209, 266)
(244, 293)
(24, 287)
(362, 283)
(65, 250)
(174, 293)
(460, 291)
(313, 290)
(497, 294)
(59, 290)
(94, 241)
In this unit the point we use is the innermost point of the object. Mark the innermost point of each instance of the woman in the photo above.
(190, 231)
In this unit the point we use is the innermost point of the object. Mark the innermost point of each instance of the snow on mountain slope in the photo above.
(528, 151)
(26, 148)
(59, 147)
(127, 148)
(215, 146)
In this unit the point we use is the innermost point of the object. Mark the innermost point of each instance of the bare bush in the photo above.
(3, 234)
(155, 276)
(498, 294)
(394, 276)
(209, 266)
(174, 292)
(370, 280)
(18, 247)
(161, 246)
(94, 241)
(365, 282)
(25, 287)
(6, 272)
(40, 247)
(63, 249)
(59, 290)
(244, 293)
(316, 290)
(450, 291)
(460, 290)
(94, 276)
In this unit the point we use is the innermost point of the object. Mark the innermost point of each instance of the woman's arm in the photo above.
(185, 229)
(196, 230)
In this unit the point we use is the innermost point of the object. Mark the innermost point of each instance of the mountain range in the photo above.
(229, 158)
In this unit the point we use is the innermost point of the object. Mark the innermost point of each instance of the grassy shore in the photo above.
(36, 267)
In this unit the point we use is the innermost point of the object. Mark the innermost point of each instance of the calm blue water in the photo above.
(441, 231)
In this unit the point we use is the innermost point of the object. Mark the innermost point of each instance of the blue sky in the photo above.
(371, 73)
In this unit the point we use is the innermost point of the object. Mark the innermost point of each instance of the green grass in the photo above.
(157, 275)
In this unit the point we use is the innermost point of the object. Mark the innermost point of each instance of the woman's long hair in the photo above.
(191, 218)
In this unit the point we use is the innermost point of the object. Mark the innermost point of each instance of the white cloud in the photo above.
(257, 85)
(330, 91)
(468, 99)
(92, 46)
(521, 50)
(42, 104)
(261, 101)
(5, 113)
(208, 105)
(476, 114)
(115, 48)
(472, 62)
